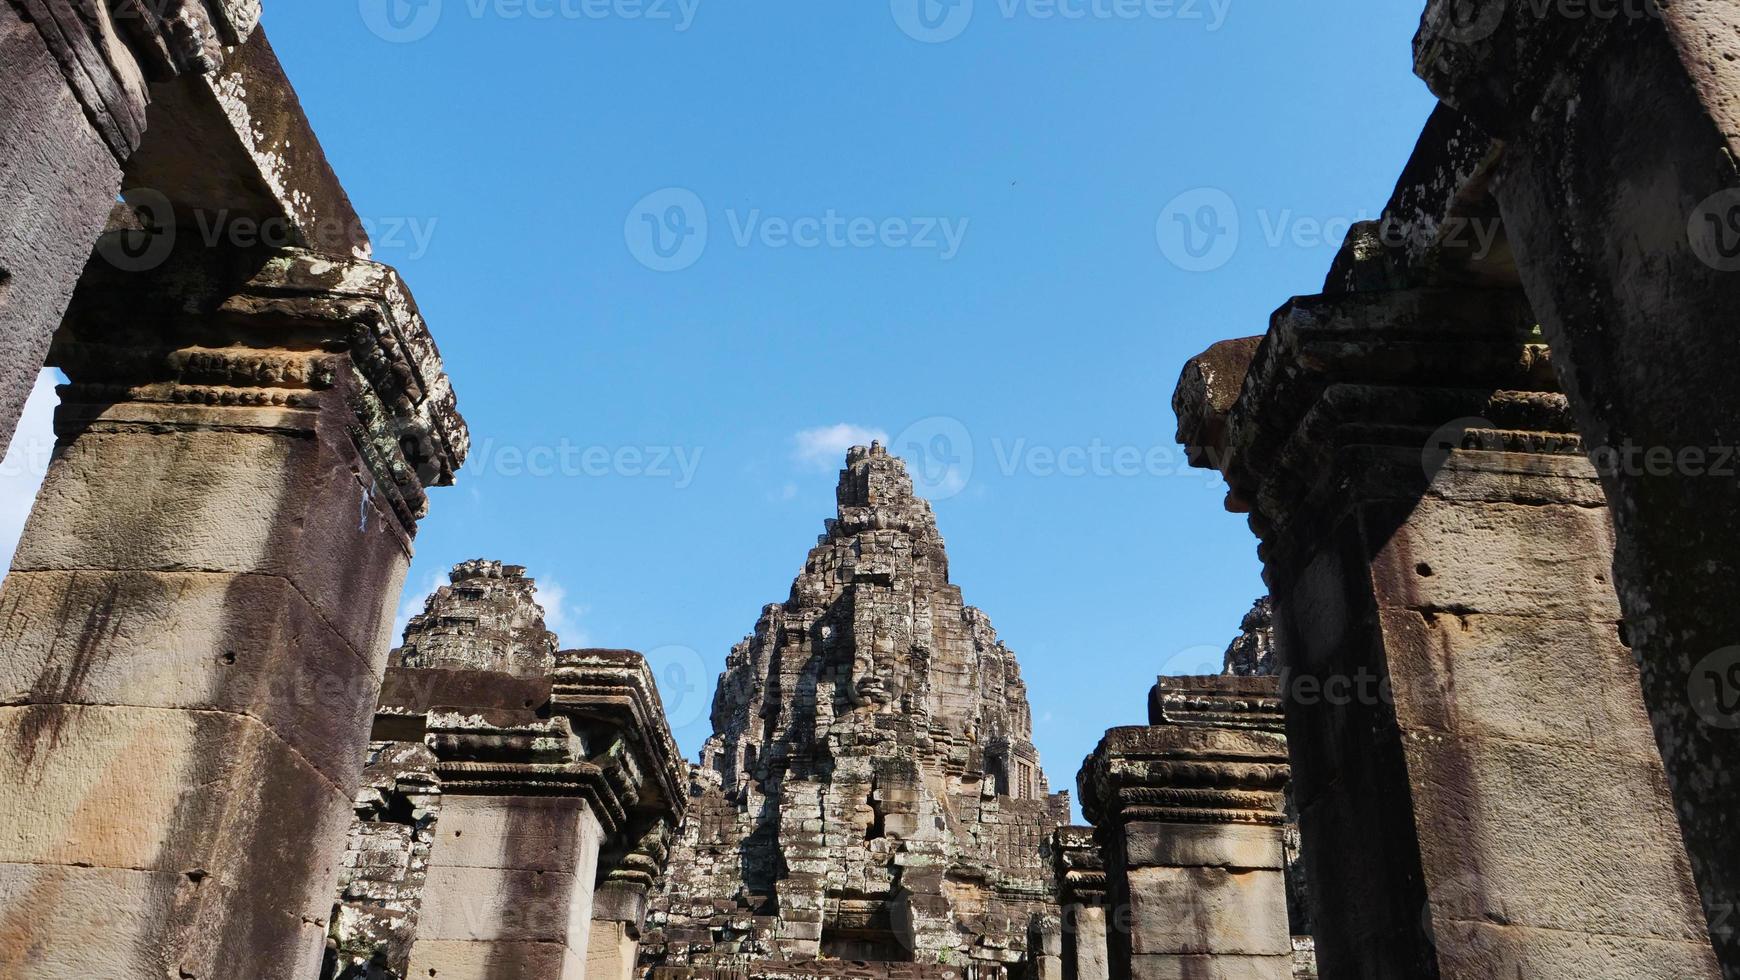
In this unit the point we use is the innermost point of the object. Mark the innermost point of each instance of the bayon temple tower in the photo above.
(871, 791)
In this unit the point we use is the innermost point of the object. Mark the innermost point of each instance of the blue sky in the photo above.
(962, 228)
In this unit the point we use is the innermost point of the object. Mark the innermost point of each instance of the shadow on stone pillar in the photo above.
(1188, 817)
(197, 616)
(1081, 892)
(1620, 192)
(1463, 717)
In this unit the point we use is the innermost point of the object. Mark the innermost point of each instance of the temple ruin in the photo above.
(871, 790)
(1484, 725)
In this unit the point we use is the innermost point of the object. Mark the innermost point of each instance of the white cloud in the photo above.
(562, 617)
(26, 463)
(412, 604)
(825, 448)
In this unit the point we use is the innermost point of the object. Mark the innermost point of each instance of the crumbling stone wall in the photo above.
(386, 864)
(486, 618)
(513, 816)
(871, 790)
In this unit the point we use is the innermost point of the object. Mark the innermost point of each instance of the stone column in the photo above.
(196, 620)
(72, 112)
(1081, 890)
(1620, 193)
(557, 804)
(511, 875)
(1478, 790)
(610, 697)
(1189, 820)
(620, 905)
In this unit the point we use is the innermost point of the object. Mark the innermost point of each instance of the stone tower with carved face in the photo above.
(871, 790)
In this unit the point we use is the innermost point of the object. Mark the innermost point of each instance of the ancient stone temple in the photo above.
(516, 803)
(871, 790)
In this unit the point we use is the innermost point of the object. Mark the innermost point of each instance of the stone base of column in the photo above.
(1189, 819)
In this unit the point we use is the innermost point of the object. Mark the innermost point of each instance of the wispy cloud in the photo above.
(411, 604)
(825, 448)
(25, 465)
(562, 617)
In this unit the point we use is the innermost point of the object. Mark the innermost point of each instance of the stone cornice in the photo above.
(1220, 701)
(1185, 774)
(291, 326)
(579, 780)
(613, 692)
(1498, 60)
(110, 50)
(1440, 226)
(1080, 867)
(1391, 373)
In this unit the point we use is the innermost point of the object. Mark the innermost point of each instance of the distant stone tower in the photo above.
(488, 618)
(871, 790)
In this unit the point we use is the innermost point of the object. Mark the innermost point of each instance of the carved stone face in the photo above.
(873, 690)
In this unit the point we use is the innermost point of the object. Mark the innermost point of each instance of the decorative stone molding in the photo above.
(1219, 701)
(110, 50)
(1081, 872)
(239, 342)
(1188, 817)
(1181, 774)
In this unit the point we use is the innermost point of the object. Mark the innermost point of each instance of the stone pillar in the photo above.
(620, 905)
(1081, 890)
(1478, 790)
(558, 785)
(611, 698)
(197, 616)
(511, 875)
(72, 112)
(1620, 194)
(1189, 819)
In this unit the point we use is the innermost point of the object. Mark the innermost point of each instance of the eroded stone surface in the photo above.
(871, 790)
(486, 618)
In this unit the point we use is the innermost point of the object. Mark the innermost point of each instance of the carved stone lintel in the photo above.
(1218, 701)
